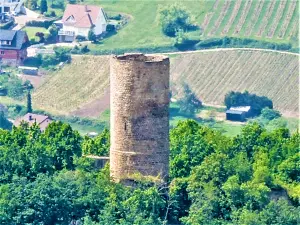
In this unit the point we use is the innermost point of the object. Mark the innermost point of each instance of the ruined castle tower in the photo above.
(139, 120)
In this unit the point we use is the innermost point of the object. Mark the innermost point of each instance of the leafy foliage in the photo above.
(189, 103)
(174, 18)
(213, 179)
(43, 6)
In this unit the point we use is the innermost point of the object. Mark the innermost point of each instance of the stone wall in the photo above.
(139, 116)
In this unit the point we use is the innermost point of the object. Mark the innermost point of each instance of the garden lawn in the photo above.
(31, 31)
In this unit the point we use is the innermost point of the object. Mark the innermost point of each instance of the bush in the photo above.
(270, 114)
(110, 27)
(257, 103)
(115, 17)
(50, 14)
(80, 38)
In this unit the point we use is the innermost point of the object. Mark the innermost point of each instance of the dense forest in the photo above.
(252, 178)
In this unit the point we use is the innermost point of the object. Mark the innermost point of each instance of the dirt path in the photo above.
(230, 49)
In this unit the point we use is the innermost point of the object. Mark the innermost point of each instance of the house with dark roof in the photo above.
(42, 120)
(13, 47)
(79, 19)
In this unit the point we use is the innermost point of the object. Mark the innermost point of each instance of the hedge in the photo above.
(7, 25)
(37, 23)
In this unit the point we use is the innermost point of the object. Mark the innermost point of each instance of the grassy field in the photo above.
(275, 21)
(211, 74)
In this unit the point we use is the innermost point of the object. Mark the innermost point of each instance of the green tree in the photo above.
(53, 32)
(43, 6)
(29, 104)
(98, 145)
(174, 18)
(4, 122)
(189, 103)
(91, 35)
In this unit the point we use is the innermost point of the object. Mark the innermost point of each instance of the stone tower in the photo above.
(139, 120)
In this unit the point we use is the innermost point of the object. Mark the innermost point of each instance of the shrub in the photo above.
(92, 36)
(110, 27)
(80, 38)
(270, 114)
(84, 49)
(115, 17)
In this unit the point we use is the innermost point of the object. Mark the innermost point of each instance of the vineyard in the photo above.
(211, 74)
(76, 84)
(80, 88)
(258, 19)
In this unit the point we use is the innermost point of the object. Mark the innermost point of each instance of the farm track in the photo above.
(287, 21)
(277, 18)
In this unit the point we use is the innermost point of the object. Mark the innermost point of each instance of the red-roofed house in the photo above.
(79, 19)
(42, 120)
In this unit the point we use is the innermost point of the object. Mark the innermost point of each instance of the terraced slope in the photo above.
(211, 74)
(77, 84)
(260, 19)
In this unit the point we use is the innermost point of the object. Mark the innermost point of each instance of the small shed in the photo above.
(29, 70)
(238, 113)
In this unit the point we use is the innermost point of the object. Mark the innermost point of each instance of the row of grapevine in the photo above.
(220, 18)
(266, 18)
(287, 21)
(78, 83)
(251, 18)
(212, 74)
(243, 17)
(232, 17)
(277, 18)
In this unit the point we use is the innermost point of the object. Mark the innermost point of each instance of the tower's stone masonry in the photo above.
(139, 121)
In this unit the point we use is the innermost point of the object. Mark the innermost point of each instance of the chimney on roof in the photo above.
(86, 8)
(30, 117)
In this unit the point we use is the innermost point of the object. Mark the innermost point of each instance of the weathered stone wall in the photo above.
(139, 115)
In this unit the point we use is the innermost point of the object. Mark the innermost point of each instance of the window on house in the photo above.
(1, 52)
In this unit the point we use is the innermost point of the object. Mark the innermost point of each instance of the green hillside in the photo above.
(275, 21)
(211, 74)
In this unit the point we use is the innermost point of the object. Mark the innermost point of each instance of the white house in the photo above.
(11, 6)
(79, 19)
